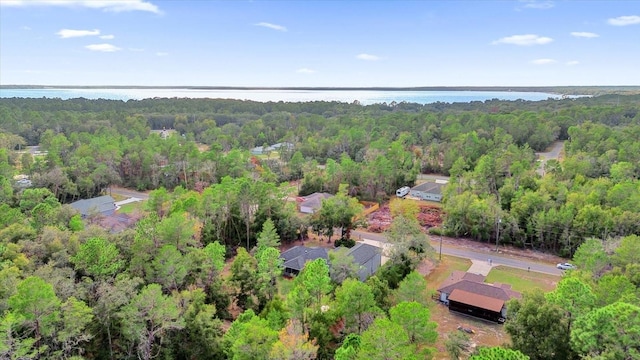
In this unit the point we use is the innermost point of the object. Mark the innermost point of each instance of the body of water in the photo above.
(365, 97)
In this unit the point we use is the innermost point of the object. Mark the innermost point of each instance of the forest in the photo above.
(198, 277)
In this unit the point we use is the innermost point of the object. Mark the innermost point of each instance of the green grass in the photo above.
(131, 207)
(522, 280)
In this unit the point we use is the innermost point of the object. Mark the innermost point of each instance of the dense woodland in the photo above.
(70, 289)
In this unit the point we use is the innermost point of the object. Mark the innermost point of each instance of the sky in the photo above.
(320, 43)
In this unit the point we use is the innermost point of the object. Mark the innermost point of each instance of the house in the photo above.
(311, 203)
(368, 258)
(468, 294)
(261, 150)
(103, 205)
(296, 257)
(428, 191)
(286, 145)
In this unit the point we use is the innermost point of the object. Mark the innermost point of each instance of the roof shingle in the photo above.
(98, 204)
(429, 187)
(297, 256)
(477, 300)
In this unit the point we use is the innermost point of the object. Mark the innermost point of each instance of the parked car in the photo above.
(565, 266)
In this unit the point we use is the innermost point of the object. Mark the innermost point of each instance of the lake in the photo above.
(365, 97)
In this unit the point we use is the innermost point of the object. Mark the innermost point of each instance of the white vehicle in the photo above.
(403, 191)
(565, 266)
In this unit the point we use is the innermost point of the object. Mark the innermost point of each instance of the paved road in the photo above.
(497, 259)
(128, 193)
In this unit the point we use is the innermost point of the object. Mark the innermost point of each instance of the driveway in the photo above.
(552, 153)
(127, 201)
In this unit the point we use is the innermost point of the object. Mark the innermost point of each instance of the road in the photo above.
(497, 259)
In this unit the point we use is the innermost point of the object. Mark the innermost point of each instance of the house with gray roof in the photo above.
(367, 257)
(431, 191)
(296, 257)
(261, 150)
(102, 205)
(311, 203)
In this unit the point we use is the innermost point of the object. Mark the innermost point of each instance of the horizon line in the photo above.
(330, 88)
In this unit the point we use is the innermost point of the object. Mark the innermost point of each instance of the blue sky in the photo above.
(319, 43)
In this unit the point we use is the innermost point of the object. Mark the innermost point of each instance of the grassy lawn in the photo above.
(522, 280)
(131, 207)
(444, 269)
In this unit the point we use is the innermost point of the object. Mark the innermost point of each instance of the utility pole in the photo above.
(498, 233)
(441, 231)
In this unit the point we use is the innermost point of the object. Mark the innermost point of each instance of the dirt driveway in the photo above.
(553, 152)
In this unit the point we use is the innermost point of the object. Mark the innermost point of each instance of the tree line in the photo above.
(487, 147)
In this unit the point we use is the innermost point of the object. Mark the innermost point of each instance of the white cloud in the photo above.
(105, 5)
(25, 28)
(107, 37)
(103, 47)
(573, 62)
(533, 4)
(543, 61)
(584, 34)
(160, 53)
(624, 20)
(524, 40)
(68, 33)
(368, 57)
(272, 26)
(306, 71)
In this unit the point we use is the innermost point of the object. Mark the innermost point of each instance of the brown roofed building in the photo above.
(458, 275)
(468, 294)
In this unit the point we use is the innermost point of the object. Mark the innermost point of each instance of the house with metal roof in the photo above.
(431, 191)
(468, 294)
(101, 205)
